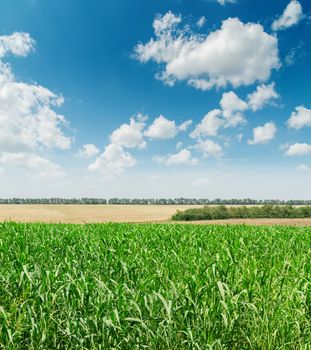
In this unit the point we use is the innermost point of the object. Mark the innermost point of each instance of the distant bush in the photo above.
(242, 212)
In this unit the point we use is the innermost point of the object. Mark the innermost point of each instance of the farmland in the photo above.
(88, 213)
(79, 214)
(154, 286)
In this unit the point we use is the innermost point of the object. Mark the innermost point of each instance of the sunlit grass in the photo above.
(122, 286)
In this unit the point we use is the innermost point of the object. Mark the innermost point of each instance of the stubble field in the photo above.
(79, 214)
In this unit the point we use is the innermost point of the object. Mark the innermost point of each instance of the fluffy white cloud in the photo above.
(185, 125)
(39, 166)
(231, 103)
(291, 16)
(164, 23)
(264, 95)
(230, 115)
(183, 157)
(209, 125)
(28, 121)
(300, 118)
(130, 135)
(236, 54)
(113, 161)
(18, 44)
(232, 111)
(231, 106)
(298, 149)
(209, 148)
(303, 168)
(263, 134)
(163, 128)
(88, 151)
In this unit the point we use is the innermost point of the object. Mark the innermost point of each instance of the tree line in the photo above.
(241, 212)
(153, 201)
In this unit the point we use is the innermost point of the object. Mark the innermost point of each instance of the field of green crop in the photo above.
(161, 287)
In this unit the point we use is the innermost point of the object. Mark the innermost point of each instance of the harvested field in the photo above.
(117, 213)
(88, 213)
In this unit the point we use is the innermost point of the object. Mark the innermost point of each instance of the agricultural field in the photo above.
(88, 213)
(79, 214)
(154, 286)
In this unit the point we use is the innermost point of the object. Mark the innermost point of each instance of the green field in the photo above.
(123, 286)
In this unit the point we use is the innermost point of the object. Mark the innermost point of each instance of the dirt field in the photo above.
(116, 213)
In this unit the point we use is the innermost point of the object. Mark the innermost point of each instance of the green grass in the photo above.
(122, 286)
(220, 212)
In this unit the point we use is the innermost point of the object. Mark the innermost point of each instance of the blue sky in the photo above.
(218, 94)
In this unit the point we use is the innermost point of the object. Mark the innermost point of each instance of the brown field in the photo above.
(87, 213)
(79, 214)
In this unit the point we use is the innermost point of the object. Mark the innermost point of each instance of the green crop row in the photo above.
(241, 212)
(160, 287)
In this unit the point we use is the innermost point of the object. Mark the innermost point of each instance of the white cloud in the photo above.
(88, 151)
(29, 124)
(163, 128)
(298, 149)
(232, 111)
(231, 103)
(18, 44)
(27, 120)
(291, 16)
(164, 23)
(130, 135)
(183, 157)
(113, 161)
(263, 134)
(42, 166)
(230, 115)
(231, 106)
(303, 168)
(262, 96)
(209, 148)
(236, 54)
(185, 125)
(201, 22)
(209, 125)
(300, 118)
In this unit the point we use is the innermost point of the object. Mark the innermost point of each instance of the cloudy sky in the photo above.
(166, 98)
